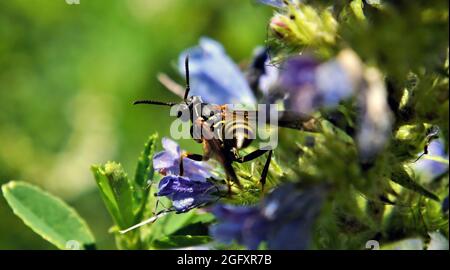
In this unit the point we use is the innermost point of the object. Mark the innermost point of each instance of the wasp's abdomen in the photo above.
(238, 132)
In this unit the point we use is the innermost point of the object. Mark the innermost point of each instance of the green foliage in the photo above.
(401, 177)
(48, 216)
(408, 42)
(116, 191)
(125, 199)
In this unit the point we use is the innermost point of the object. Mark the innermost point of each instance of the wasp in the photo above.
(223, 132)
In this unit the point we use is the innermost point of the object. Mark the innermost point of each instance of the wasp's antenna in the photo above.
(154, 102)
(188, 86)
(150, 220)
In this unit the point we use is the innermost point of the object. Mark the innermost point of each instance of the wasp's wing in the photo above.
(295, 120)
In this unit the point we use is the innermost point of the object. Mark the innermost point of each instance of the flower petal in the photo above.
(186, 194)
(171, 146)
(166, 163)
(196, 170)
(214, 76)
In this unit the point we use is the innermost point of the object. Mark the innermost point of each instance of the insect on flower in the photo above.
(222, 130)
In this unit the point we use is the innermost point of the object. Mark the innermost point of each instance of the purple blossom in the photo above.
(214, 76)
(284, 219)
(298, 79)
(431, 167)
(311, 85)
(168, 161)
(185, 193)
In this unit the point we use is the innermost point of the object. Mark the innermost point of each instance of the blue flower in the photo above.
(284, 219)
(185, 193)
(435, 162)
(311, 85)
(168, 161)
(214, 76)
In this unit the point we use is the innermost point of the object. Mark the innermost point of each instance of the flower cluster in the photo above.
(300, 24)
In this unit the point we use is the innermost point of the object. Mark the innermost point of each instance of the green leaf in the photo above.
(106, 193)
(405, 244)
(117, 192)
(179, 241)
(173, 223)
(401, 177)
(144, 172)
(357, 8)
(144, 169)
(48, 216)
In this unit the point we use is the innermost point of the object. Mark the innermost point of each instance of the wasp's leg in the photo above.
(256, 154)
(263, 178)
(231, 176)
(251, 156)
(196, 157)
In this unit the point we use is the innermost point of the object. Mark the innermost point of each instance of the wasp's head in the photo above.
(186, 108)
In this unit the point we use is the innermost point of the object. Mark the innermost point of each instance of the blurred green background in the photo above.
(68, 76)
